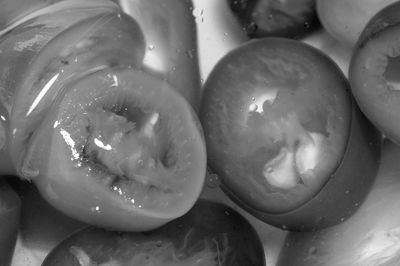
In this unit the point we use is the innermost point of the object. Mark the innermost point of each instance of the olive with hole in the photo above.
(103, 140)
(285, 135)
(369, 238)
(373, 71)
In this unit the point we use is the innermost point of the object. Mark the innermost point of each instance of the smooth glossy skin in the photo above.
(98, 136)
(33, 75)
(209, 234)
(42, 227)
(262, 18)
(171, 38)
(147, 178)
(12, 10)
(10, 211)
(346, 19)
(281, 128)
(373, 71)
(370, 237)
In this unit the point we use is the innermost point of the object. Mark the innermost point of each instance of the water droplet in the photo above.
(251, 27)
(95, 209)
(253, 107)
(347, 192)
(198, 15)
(151, 47)
(213, 180)
(284, 227)
(342, 219)
(307, 25)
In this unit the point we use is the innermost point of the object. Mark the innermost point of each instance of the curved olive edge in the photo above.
(200, 216)
(324, 210)
(386, 17)
(309, 248)
(38, 216)
(11, 212)
(295, 31)
(385, 20)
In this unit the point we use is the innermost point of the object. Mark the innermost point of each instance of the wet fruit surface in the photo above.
(209, 234)
(346, 19)
(373, 72)
(261, 18)
(89, 126)
(370, 237)
(10, 209)
(278, 117)
(137, 157)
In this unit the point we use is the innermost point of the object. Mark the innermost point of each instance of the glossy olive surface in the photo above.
(41, 226)
(346, 19)
(10, 212)
(374, 68)
(370, 237)
(83, 119)
(209, 234)
(285, 136)
(170, 34)
(117, 150)
(261, 18)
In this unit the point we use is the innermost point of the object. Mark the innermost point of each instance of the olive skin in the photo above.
(170, 34)
(373, 71)
(346, 19)
(262, 105)
(369, 237)
(266, 18)
(209, 234)
(82, 118)
(10, 212)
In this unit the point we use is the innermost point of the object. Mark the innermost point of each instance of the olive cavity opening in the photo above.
(131, 145)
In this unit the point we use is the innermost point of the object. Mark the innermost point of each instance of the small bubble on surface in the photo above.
(95, 209)
(213, 180)
(253, 107)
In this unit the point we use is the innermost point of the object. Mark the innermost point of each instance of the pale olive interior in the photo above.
(154, 139)
(128, 144)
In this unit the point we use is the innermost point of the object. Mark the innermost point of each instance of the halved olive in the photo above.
(285, 135)
(373, 72)
(119, 143)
